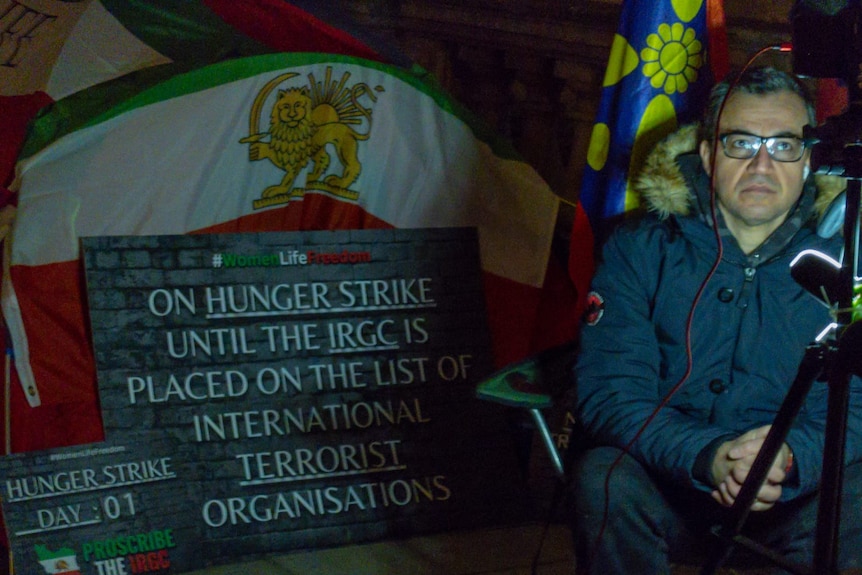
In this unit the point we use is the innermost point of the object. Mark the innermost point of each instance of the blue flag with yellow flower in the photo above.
(657, 78)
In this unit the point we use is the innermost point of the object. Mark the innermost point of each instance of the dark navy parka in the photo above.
(749, 330)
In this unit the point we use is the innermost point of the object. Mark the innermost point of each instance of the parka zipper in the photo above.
(742, 301)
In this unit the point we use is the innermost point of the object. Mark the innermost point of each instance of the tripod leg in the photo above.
(809, 369)
(829, 510)
(850, 340)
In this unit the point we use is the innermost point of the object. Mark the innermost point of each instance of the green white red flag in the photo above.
(179, 140)
(60, 562)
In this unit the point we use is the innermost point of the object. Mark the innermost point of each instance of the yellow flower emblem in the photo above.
(672, 58)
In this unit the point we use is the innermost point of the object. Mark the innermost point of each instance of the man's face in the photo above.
(755, 195)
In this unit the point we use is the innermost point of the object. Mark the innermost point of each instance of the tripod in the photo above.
(833, 357)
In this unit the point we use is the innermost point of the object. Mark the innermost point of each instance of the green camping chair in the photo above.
(536, 383)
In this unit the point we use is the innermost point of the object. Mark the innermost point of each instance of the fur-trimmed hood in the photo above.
(666, 180)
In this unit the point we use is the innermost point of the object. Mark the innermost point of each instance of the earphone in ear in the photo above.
(806, 172)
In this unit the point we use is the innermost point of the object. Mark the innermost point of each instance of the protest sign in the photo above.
(270, 392)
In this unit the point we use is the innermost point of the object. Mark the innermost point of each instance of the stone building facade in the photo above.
(533, 69)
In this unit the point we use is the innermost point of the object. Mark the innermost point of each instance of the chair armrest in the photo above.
(518, 385)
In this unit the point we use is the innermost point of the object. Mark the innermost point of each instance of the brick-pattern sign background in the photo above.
(263, 393)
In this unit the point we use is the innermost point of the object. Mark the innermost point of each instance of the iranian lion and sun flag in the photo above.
(162, 117)
(126, 117)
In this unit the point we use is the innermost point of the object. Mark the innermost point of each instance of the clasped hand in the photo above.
(732, 463)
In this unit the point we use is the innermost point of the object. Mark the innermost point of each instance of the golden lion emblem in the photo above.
(305, 123)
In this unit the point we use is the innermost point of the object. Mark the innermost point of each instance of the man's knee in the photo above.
(591, 469)
(607, 473)
(627, 531)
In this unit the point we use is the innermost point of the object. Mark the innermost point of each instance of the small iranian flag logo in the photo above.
(59, 561)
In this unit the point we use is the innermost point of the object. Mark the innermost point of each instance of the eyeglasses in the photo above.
(779, 148)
